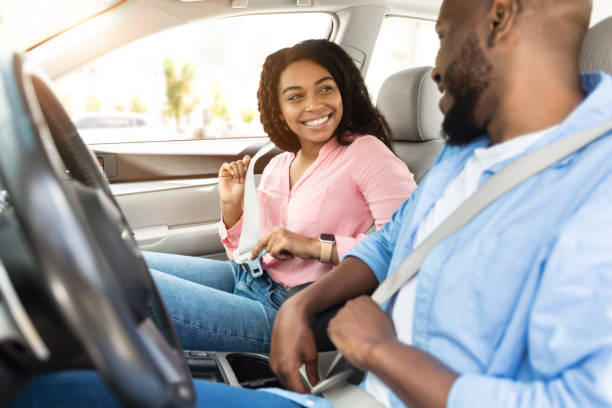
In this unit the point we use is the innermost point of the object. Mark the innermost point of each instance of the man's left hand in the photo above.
(358, 328)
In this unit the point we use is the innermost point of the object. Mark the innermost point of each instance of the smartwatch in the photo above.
(327, 247)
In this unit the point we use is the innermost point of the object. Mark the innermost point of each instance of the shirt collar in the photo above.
(329, 146)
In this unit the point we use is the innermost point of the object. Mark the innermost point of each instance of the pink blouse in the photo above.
(344, 192)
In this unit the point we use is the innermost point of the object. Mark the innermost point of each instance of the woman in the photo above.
(337, 176)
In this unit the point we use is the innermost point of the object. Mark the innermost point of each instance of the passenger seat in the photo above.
(409, 101)
(596, 50)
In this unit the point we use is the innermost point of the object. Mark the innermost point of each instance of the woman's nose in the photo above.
(313, 102)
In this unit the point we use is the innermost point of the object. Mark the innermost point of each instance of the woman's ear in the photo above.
(501, 20)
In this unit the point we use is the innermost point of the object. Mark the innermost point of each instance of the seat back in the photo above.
(409, 101)
(596, 52)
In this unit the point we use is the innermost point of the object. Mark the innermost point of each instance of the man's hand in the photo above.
(358, 328)
(283, 244)
(293, 345)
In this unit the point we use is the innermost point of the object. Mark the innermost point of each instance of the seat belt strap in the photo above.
(505, 180)
(250, 220)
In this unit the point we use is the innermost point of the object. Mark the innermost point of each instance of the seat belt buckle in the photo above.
(253, 266)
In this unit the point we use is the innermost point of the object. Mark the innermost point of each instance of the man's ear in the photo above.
(501, 20)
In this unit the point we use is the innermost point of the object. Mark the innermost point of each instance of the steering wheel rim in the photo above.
(96, 278)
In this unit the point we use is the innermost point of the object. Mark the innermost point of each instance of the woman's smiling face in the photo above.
(310, 102)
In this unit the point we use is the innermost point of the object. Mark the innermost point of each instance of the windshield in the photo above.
(26, 23)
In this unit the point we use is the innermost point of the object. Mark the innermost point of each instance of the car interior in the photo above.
(75, 292)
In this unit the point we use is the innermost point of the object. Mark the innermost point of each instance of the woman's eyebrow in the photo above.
(291, 88)
(297, 88)
(323, 80)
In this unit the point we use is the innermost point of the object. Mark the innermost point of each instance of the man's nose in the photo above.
(435, 75)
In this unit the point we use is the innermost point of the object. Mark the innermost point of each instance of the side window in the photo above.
(402, 43)
(193, 82)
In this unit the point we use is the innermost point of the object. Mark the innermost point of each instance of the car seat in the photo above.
(409, 101)
(596, 52)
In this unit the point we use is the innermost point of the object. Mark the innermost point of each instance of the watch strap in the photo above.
(327, 247)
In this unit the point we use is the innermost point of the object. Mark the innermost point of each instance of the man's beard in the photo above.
(467, 77)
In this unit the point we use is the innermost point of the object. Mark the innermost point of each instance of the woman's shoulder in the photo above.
(280, 160)
(369, 144)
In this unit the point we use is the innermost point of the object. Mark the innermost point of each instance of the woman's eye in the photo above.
(293, 98)
(326, 89)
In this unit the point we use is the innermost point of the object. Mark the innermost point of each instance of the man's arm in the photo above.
(364, 334)
(292, 339)
(359, 273)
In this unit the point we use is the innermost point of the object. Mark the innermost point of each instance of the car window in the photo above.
(195, 81)
(402, 43)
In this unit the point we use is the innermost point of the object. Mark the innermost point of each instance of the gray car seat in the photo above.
(596, 51)
(409, 101)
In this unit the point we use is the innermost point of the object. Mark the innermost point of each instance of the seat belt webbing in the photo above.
(250, 219)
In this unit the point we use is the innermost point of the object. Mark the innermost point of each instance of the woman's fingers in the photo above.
(261, 244)
(236, 169)
(225, 170)
(246, 160)
(279, 245)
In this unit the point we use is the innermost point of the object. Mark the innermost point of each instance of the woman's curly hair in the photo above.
(360, 116)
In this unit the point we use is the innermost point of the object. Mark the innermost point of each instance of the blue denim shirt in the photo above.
(519, 301)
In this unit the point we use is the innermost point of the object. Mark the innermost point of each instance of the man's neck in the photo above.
(534, 104)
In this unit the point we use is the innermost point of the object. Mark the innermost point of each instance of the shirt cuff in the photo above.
(230, 236)
(364, 252)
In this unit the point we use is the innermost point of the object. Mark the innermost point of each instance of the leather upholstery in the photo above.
(409, 101)
(597, 48)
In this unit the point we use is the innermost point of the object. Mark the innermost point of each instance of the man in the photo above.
(515, 308)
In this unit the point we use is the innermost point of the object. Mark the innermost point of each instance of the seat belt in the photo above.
(250, 220)
(334, 386)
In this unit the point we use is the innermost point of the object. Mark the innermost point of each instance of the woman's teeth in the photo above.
(317, 122)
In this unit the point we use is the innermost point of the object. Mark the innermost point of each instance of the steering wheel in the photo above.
(88, 260)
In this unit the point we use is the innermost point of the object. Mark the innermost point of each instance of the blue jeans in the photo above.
(216, 305)
(80, 389)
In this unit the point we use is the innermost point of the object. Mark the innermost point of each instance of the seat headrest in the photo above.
(596, 52)
(409, 101)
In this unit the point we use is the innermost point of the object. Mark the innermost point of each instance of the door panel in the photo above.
(169, 214)
(141, 161)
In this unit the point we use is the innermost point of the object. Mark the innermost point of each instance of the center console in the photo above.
(252, 370)
(246, 370)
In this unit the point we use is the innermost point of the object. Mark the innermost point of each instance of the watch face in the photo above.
(327, 237)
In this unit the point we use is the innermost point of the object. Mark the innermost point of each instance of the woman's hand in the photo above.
(231, 189)
(283, 245)
(231, 180)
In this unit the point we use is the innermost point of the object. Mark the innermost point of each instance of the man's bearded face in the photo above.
(466, 79)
